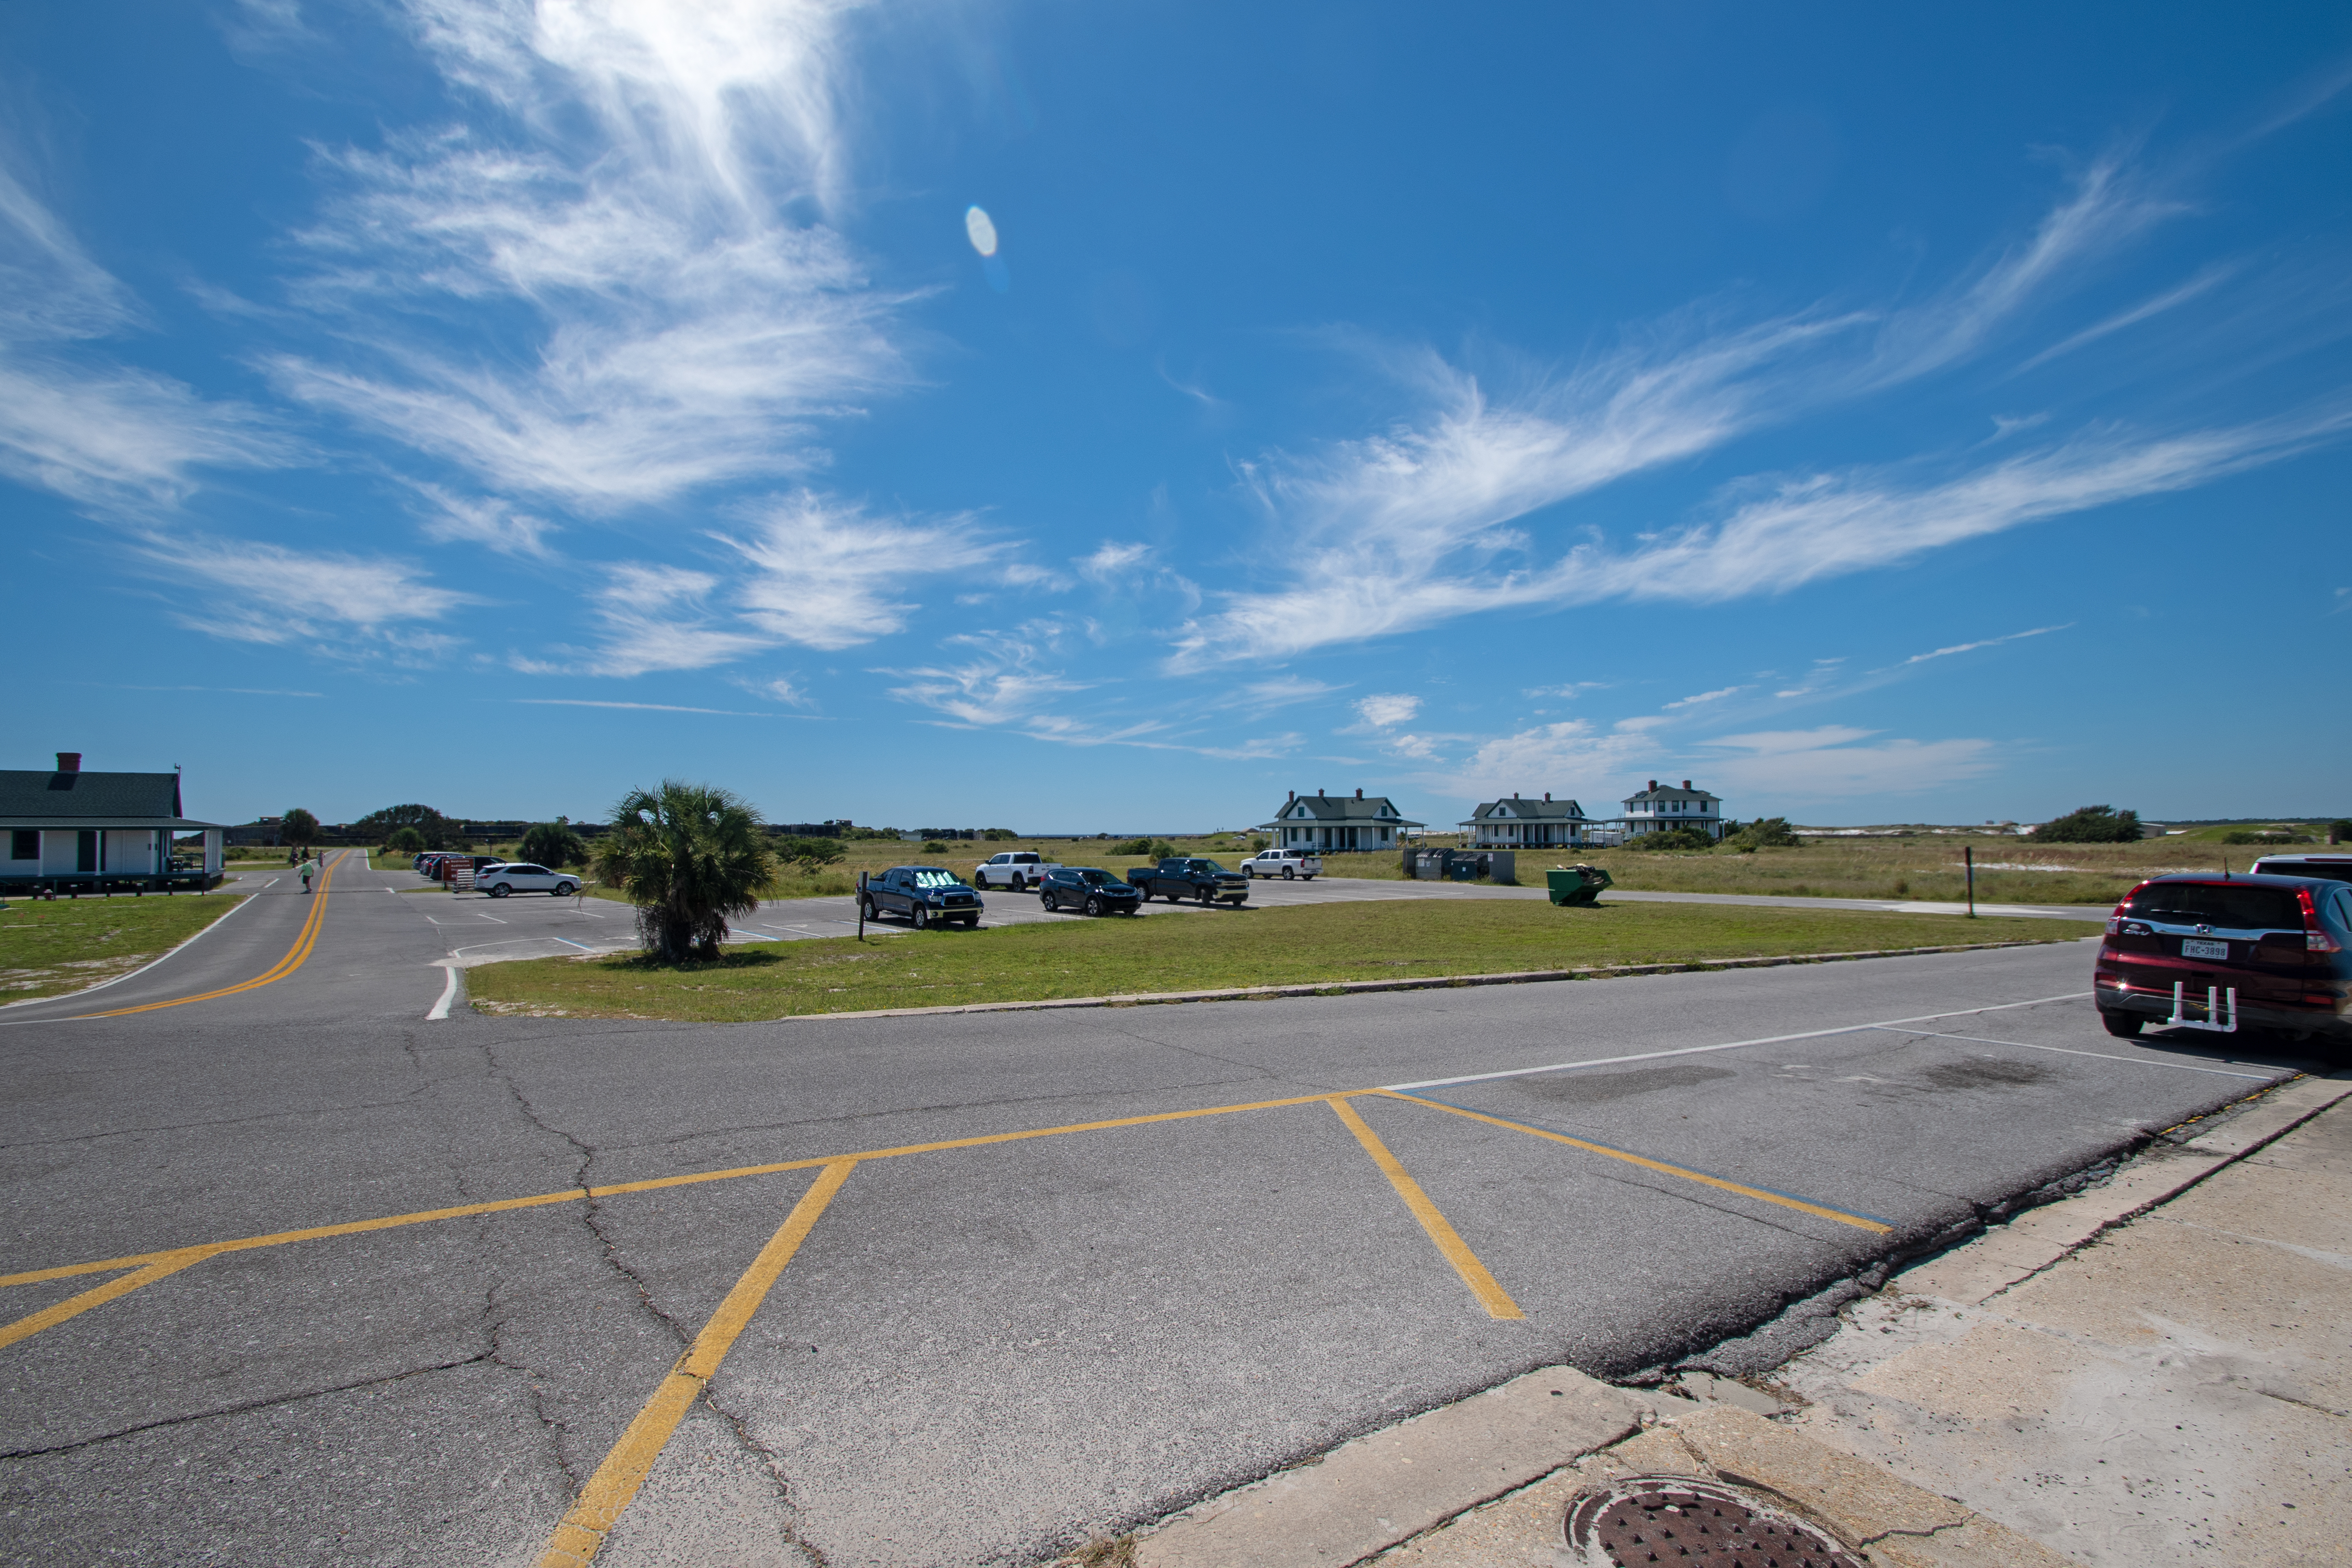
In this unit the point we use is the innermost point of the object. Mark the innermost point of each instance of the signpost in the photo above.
(1969, 851)
(861, 906)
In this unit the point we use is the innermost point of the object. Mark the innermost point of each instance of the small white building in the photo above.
(1657, 809)
(89, 832)
(1516, 822)
(1336, 823)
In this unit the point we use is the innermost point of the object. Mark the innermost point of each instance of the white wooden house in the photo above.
(1656, 809)
(1336, 823)
(1516, 822)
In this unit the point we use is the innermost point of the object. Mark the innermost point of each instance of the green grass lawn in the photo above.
(1171, 952)
(49, 947)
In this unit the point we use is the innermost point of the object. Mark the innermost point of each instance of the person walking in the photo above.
(308, 867)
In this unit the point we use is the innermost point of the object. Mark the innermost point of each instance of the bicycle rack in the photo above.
(2212, 1011)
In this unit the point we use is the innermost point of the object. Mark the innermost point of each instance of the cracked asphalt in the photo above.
(981, 1354)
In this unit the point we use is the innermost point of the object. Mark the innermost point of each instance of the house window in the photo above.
(24, 844)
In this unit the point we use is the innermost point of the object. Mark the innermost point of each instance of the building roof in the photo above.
(1339, 810)
(43, 799)
(1518, 808)
(1670, 793)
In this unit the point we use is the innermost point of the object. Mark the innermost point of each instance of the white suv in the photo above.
(1284, 863)
(521, 877)
(1019, 870)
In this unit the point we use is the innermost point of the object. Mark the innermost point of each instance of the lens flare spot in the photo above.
(981, 229)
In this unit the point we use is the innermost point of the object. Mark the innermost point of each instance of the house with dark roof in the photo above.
(1656, 810)
(1336, 823)
(68, 830)
(1516, 822)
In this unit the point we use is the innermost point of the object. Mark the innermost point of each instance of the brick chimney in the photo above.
(1360, 793)
(1292, 795)
(1318, 792)
(1686, 784)
(68, 761)
(1547, 796)
(1654, 783)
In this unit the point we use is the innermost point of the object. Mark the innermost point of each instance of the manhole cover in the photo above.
(1692, 1523)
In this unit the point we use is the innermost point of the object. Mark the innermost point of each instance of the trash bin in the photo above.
(1463, 870)
(1576, 885)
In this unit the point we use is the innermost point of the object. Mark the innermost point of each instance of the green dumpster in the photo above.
(1576, 885)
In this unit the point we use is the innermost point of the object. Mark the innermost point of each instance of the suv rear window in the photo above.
(2334, 870)
(2233, 907)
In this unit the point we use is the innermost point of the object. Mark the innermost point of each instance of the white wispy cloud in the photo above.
(1001, 679)
(341, 605)
(1984, 642)
(827, 576)
(646, 707)
(1424, 524)
(620, 208)
(1706, 697)
(115, 439)
(2203, 283)
(1831, 762)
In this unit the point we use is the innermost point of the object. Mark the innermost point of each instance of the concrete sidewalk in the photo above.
(2153, 1370)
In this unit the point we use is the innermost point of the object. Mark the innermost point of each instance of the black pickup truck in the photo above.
(926, 895)
(1186, 877)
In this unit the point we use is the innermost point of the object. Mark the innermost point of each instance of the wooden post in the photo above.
(1969, 850)
(861, 906)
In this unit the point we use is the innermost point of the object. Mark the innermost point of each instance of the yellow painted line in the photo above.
(609, 1491)
(1762, 1194)
(25, 1327)
(1450, 1246)
(295, 956)
(574, 1195)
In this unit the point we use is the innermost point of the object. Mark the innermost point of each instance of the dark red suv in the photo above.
(2222, 953)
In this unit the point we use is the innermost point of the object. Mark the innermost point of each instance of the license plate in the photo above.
(2191, 947)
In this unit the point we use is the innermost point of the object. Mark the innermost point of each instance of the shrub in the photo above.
(298, 827)
(809, 855)
(2091, 824)
(999, 834)
(1764, 832)
(2259, 836)
(1671, 838)
(439, 831)
(933, 847)
(2339, 832)
(403, 841)
(1259, 842)
(553, 843)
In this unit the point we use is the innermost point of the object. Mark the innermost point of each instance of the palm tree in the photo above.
(688, 856)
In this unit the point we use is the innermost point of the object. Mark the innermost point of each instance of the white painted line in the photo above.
(492, 919)
(568, 942)
(2280, 1076)
(143, 968)
(1732, 1045)
(440, 1013)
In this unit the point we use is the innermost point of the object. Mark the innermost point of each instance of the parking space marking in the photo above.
(1449, 1245)
(440, 1013)
(2101, 1056)
(1728, 1044)
(1763, 1194)
(609, 1491)
(25, 1327)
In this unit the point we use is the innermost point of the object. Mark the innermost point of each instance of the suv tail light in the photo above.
(2315, 936)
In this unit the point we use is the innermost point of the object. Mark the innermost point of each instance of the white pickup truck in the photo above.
(1287, 864)
(1019, 870)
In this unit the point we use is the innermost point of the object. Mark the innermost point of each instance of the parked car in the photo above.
(1019, 870)
(1188, 877)
(2179, 948)
(508, 877)
(1088, 888)
(2335, 867)
(1287, 864)
(445, 866)
(926, 895)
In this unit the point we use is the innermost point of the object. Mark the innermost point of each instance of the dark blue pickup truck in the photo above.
(923, 894)
(1185, 876)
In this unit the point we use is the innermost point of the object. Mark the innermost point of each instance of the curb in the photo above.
(1422, 983)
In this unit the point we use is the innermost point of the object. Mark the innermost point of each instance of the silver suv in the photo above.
(521, 877)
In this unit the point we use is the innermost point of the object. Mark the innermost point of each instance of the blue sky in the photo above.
(1874, 418)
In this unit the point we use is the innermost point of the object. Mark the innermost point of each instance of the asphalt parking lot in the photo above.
(301, 1276)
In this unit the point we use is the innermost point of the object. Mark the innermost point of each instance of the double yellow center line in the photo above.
(303, 943)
